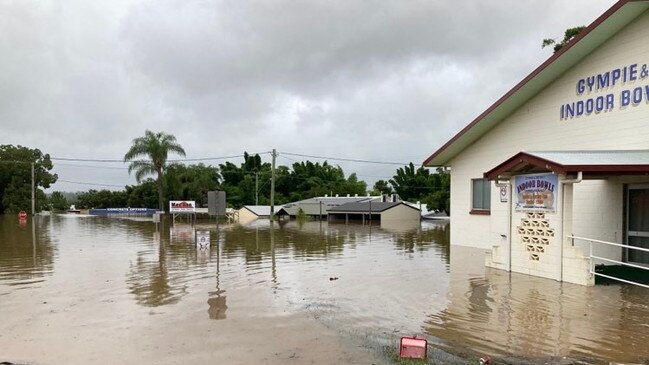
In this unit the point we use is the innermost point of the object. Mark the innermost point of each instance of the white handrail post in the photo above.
(592, 264)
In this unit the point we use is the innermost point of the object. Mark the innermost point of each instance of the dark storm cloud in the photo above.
(387, 80)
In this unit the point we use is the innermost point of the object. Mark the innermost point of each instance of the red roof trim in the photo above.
(531, 76)
(523, 157)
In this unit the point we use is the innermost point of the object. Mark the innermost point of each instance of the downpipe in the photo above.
(507, 184)
(579, 178)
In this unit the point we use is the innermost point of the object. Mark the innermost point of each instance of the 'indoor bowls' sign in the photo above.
(536, 193)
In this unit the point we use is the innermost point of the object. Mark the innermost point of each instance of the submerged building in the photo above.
(553, 178)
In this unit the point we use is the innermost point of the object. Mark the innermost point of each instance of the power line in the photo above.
(93, 167)
(92, 184)
(346, 159)
(74, 159)
(83, 159)
(287, 158)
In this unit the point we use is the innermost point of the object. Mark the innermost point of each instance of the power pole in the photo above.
(33, 193)
(272, 186)
(256, 187)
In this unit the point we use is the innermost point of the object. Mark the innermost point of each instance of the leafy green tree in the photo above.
(148, 156)
(144, 195)
(568, 35)
(15, 178)
(411, 183)
(382, 187)
(102, 199)
(191, 182)
(310, 179)
(421, 185)
(242, 184)
(440, 196)
(58, 202)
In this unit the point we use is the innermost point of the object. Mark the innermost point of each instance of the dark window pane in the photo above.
(481, 194)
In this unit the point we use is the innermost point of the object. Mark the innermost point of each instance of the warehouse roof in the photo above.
(365, 207)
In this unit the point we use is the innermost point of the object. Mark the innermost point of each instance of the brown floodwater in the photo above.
(79, 289)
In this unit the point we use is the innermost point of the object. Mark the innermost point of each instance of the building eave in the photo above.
(538, 164)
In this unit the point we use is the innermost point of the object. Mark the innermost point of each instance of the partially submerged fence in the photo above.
(591, 242)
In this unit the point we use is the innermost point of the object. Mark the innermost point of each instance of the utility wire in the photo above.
(87, 183)
(92, 167)
(345, 159)
(171, 160)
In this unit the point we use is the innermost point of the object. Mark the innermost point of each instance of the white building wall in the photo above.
(246, 215)
(536, 126)
(595, 206)
(604, 219)
(401, 212)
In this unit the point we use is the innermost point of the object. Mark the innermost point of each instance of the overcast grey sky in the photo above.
(375, 80)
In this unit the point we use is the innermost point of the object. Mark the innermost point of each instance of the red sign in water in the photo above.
(22, 215)
(180, 206)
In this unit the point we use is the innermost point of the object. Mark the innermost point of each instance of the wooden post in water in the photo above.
(33, 192)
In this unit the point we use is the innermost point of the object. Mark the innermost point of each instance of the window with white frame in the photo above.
(481, 194)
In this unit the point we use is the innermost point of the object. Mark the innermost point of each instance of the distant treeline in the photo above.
(245, 184)
(249, 184)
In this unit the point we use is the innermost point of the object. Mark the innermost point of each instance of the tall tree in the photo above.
(191, 182)
(148, 156)
(58, 202)
(15, 177)
(242, 184)
(419, 184)
(382, 187)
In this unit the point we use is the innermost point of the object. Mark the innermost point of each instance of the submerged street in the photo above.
(78, 289)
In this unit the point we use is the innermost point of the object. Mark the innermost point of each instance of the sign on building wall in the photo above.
(182, 206)
(535, 193)
(614, 89)
(503, 194)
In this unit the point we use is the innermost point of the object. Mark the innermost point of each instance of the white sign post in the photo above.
(203, 239)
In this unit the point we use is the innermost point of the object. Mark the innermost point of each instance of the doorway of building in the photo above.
(637, 223)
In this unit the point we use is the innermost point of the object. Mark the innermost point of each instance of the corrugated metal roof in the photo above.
(614, 157)
(364, 207)
(336, 200)
(322, 204)
(259, 210)
(308, 209)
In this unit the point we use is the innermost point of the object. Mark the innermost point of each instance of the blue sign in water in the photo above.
(123, 211)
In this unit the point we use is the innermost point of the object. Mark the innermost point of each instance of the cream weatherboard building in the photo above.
(564, 154)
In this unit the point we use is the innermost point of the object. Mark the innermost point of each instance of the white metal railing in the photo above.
(592, 256)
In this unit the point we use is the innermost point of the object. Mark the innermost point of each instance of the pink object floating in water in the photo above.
(413, 348)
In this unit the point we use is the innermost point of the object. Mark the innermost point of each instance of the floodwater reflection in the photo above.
(524, 317)
(392, 280)
(26, 253)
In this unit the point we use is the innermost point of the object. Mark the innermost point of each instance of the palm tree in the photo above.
(148, 156)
